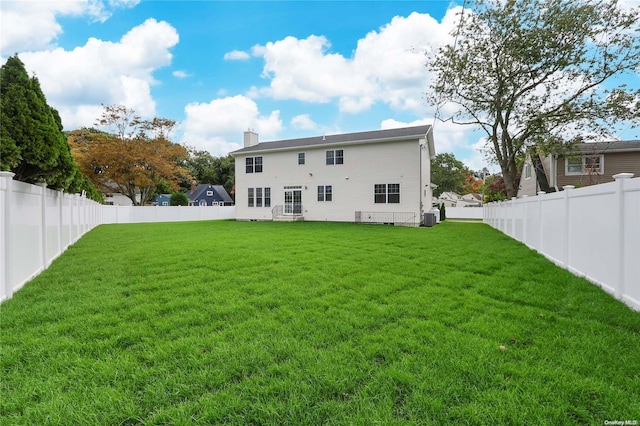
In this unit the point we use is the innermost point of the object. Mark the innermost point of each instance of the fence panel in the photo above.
(593, 232)
(37, 224)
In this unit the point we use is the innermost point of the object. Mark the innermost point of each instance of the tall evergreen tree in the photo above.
(33, 145)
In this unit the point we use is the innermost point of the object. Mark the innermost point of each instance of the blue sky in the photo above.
(286, 69)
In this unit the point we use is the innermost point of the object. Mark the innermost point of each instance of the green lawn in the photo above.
(313, 323)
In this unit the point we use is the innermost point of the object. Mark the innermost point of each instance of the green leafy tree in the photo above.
(178, 199)
(539, 72)
(205, 168)
(33, 144)
(495, 189)
(448, 173)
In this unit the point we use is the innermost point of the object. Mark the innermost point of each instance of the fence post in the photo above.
(60, 219)
(7, 177)
(43, 223)
(567, 224)
(620, 180)
(524, 219)
(514, 213)
(541, 221)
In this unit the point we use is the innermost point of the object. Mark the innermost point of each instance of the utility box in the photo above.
(429, 219)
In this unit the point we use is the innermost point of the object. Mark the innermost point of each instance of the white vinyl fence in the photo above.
(38, 224)
(594, 231)
(464, 213)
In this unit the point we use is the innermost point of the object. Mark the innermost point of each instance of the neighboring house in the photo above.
(375, 176)
(162, 200)
(116, 199)
(448, 198)
(589, 164)
(470, 200)
(208, 195)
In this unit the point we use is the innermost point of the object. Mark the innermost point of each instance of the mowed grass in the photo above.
(227, 322)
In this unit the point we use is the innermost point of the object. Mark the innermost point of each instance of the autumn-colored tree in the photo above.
(472, 185)
(132, 157)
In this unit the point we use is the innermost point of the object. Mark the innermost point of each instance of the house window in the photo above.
(267, 197)
(258, 197)
(164, 203)
(203, 202)
(301, 158)
(386, 193)
(209, 193)
(325, 193)
(335, 157)
(584, 165)
(253, 164)
(527, 171)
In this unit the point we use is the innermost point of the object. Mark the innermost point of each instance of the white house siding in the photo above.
(365, 164)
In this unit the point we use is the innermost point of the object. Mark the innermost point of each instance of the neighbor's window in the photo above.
(339, 156)
(527, 171)
(386, 193)
(209, 193)
(325, 193)
(251, 197)
(584, 165)
(301, 158)
(249, 164)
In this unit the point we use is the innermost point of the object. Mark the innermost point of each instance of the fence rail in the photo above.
(594, 232)
(38, 224)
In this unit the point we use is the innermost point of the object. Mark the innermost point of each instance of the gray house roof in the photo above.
(602, 147)
(344, 138)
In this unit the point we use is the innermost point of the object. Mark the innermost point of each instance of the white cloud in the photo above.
(76, 82)
(28, 26)
(218, 126)
(236, 55)
(387, 66)
(303, 122)
(180, 74)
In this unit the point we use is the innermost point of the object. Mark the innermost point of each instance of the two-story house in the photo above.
(587, 164)
(375, 176)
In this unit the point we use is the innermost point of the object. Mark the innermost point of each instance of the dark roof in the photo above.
(375, 135)
(614, 146)
(194, 194)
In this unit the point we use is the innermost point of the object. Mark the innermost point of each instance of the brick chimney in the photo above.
(250, 138)
(193, 185)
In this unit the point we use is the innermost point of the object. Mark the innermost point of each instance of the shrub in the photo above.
(443, 213)
(178, 199)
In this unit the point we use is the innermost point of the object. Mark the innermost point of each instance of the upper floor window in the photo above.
(527, 171)
(584, 165)
(335, 157)
(386, 193)
(301, 158)
(253, 164)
